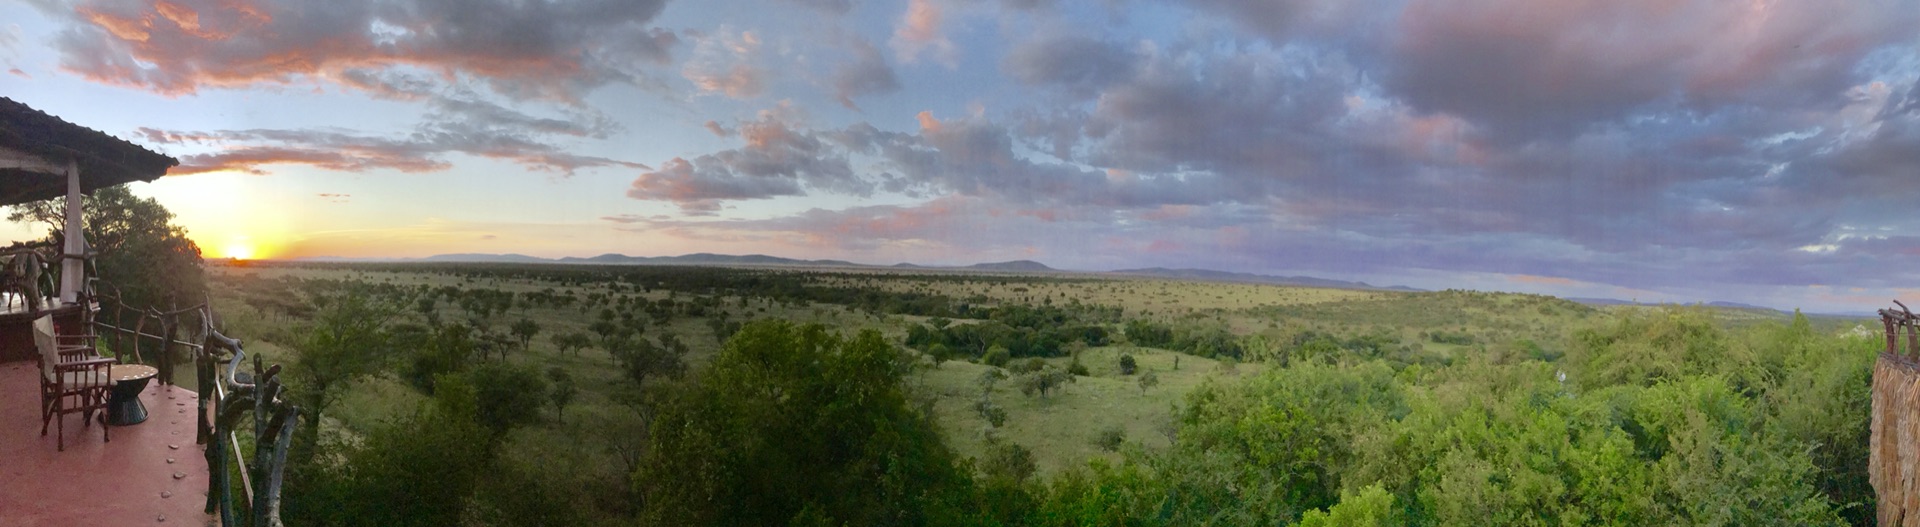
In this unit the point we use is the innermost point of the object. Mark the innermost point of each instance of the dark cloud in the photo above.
(867, 74)
(468, 126)
(1526, 70)
(838, 7)
(550, 50)
(699, 186)
(1080, 64)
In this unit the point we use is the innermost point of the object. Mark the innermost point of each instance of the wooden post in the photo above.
(71, 269)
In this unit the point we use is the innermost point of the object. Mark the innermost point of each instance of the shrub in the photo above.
(997, 356)
(1110, 438)
(1127, 365)
(1030, 366)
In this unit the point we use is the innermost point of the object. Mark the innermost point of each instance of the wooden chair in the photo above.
(73, 379)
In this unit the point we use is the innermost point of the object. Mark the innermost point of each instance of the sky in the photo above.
(1657, 150)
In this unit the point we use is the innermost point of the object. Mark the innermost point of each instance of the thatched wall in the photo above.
(1894, 458)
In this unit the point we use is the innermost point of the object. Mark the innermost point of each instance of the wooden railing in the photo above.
(241, 397)
(231, 401)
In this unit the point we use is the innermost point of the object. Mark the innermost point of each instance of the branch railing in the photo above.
(242, 398)
(231, 400)
(1902, 322)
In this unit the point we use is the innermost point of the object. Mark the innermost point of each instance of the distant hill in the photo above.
(1014, 266)
(1018, 266)
(1224, 276)
(490, 258)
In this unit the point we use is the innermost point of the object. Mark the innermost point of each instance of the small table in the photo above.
(123, 406)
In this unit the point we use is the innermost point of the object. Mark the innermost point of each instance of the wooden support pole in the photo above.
(72, 271)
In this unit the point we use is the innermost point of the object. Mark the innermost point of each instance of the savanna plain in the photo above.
(530, 394)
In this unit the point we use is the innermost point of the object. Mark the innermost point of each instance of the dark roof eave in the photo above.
(104, 160)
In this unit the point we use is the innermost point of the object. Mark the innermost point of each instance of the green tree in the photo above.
(640, 359)
(1127, 365)
(792, 424)
(418, 470)
(147, 259)
(347, 340)
(1371, 507)
(563, 391)
(571, 342)
(1046, 380)
(1148, 380)
(525, 329)
(502, 396)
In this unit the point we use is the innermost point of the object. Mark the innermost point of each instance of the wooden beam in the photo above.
(18, 160)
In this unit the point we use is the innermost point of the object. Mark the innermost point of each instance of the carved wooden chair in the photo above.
(73, 379)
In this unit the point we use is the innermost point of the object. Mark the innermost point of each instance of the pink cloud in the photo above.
(919, 32)
(178, 47)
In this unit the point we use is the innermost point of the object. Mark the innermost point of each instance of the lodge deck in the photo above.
(128, 481)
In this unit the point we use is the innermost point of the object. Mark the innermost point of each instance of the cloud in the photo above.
(919, 32)
(1546, 69)
(548, 50)
(456, 124)
(867, 74)
(1081, 64)
(838, 7)
(726, 62)
(777, 159)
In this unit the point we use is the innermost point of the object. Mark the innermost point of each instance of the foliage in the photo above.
(1045, 380)
(148, 260)
(792, 422)
(525, 329)
(563, 390)
(1127, 365)
(433, 352)
(571, 343)
(347, 340)
(641, 359)
(996, 356)
(503, 396)
(1110, 438)
(1371, 507)
(415, 471)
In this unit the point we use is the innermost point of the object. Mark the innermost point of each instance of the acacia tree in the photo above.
(641, 359)
(525, 329)
(571, 342)
(348, 339)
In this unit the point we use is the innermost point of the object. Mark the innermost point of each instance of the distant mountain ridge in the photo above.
(1013, 266)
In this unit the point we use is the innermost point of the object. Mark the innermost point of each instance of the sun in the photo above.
(239, 250)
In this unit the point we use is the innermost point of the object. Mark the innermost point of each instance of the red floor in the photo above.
(129, 481)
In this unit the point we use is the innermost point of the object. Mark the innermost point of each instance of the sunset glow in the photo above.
(240, 250)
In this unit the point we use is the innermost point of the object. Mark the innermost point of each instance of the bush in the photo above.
(1127, 365)
(1029, 366)
(997, 357)
(1078, 369)
(993, 413)
(1111, 438)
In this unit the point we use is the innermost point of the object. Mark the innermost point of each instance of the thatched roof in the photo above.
(104, 160)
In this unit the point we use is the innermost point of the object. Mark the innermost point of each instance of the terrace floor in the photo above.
(150, 473)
